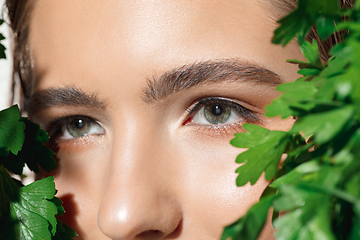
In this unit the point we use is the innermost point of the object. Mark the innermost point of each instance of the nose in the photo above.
(138, 200)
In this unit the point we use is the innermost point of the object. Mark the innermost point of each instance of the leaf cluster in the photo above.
(27, 212)
(316, 189)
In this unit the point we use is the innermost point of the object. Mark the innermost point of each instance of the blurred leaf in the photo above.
(325, 27)
(249, 226)
(299, 22)
(325, 125)
(311, 53)
(294, 97)
(297, 174)
(301, 222)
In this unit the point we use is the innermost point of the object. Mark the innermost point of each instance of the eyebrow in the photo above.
(63, 96)
(169, 83)
(207, 72)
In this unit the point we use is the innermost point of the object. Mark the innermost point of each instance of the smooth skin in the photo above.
(148, 169)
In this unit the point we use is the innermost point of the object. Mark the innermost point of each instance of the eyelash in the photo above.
(229, 128)
(55, 127)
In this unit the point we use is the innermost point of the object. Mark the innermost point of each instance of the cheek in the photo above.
(210, 180)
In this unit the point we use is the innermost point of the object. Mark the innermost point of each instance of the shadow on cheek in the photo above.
(71, 211)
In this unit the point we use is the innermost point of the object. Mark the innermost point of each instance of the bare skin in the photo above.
(147, 168)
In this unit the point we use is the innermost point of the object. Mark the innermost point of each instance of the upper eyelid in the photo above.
(195, 107)
(199, 103)
(57, 124)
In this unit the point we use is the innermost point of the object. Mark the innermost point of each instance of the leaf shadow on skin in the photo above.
(69, 217)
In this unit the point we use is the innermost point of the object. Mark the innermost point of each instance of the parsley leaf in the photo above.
(11, 131)
(265, 150)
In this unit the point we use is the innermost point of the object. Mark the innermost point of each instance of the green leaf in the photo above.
(249, 226)
(63, 232)
(325, 27)
(33, 153)
(300, 222)
(324, 125)
(265, 150)
(300, 173)
(34, 213)
(2, 51)
(355, 230)
(299, 22)
(8, 191)
(295, 96)
(311, 52)
(59, 206)
(11, 130)
(309, 72)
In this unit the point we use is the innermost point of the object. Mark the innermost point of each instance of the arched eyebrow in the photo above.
(207, 72)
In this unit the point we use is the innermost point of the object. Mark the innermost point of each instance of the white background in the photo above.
(5, 68)
(5, 82)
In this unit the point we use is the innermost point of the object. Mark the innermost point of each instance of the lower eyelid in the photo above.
(218, 130)
(78, 144)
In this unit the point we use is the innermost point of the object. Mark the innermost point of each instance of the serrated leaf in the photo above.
(33, 213)
(58, 204)
(265, 150)
(249, 226)
(64, 232)
(11, 130)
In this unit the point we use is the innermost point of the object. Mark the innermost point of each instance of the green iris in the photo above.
(79, 127)
(217, 113)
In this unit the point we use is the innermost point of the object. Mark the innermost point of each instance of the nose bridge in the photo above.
(138, 200)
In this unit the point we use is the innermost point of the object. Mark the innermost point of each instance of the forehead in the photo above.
(93, 37)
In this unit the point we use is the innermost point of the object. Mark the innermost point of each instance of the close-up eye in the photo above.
(74, 127)
(218, 111)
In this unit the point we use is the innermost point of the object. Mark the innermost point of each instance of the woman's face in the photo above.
(142, 98)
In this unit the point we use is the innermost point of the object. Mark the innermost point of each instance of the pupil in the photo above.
(79, 124)
(216, 110)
